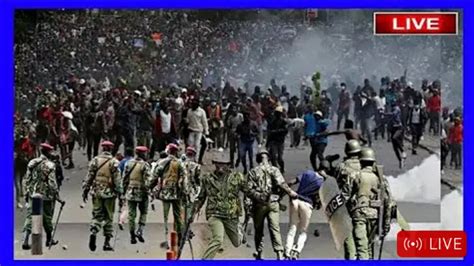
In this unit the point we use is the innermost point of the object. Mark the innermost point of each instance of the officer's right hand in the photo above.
(293, 195)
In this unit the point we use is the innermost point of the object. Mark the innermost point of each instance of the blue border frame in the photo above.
(7, 105)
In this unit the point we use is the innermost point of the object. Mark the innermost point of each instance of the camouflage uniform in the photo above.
(343, 173)
(104, 179)
(263, 185)
(41, 178)
(360, 190)
(192, 184)
(135, 184)
(223, 209)
(168, 177)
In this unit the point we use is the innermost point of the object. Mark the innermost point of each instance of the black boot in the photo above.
(92, 240)
(107, 246)
(164, 245)
(26, 241)
(294, 255)
(140, 234)
(50, 241)
(133, 237)
(258, 255)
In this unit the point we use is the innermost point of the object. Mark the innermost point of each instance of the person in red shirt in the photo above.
(434, 109)
(455, 138)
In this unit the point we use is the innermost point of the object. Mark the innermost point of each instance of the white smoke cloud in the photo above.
(451, 217)
(420, 184)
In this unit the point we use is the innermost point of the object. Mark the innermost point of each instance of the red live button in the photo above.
(415, 23)
(449, 244)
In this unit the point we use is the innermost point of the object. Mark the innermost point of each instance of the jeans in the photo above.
(366, 129)
(456, 150)
(244, 148)
(397, 141)
(340, 115)
(317, 149)
(233, 144)
(93, 141)
(434, 122)
(416, 133)
(276, 154)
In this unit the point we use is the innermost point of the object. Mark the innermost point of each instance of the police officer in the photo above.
(350, 164)
(265, 184)
(40, 178)
(104, 182)
(192, 184)
(222, 190)
(361, 192)
(135, 184)
(167, 184)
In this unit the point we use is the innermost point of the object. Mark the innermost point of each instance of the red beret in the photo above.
(106, 143)
(141, 149)
(190, 149)
(172, 147)
(46, 147)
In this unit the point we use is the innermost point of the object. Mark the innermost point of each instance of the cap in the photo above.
(319, 113)
(141, 149)
(191, 150)
(82, 81)
(279, 109)
(107, 143)
(45, 146)
(184, 90)
(137, 92)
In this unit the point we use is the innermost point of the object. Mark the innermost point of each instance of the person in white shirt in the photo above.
(197, 125)
(380, 109)
(416, 120)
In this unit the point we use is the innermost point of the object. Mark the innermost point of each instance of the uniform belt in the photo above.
(375, 203)
(274, 198)
(135, 185)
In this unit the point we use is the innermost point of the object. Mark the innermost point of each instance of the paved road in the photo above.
(73, 229)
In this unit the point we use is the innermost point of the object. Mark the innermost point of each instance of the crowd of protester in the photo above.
(170, 77)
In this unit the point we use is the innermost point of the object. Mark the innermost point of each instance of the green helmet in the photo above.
(352, 146)
(261, 152)
(367, 154)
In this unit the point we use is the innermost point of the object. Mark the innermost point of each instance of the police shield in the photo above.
(334, 207)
